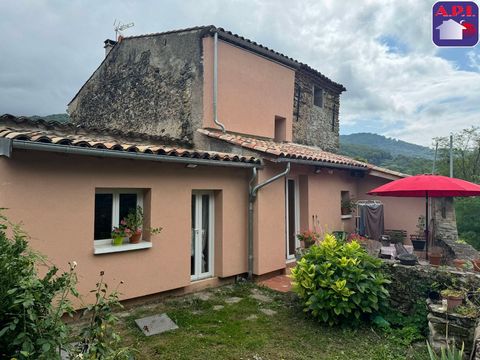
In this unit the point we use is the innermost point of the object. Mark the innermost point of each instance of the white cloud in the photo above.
(413, 94)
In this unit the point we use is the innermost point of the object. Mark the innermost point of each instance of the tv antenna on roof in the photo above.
(119, 27)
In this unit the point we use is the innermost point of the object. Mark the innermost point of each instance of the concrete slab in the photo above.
(233, 300)
(261, 297)
(268, 312)
(218, 307)
(203, 295)
(156, 324)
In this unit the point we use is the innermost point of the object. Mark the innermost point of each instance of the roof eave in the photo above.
(106, 153)
(324, 164)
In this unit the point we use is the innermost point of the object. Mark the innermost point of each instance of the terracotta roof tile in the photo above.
(284, 149)
(64, 135)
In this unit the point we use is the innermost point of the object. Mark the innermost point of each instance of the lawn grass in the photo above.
(205, 333)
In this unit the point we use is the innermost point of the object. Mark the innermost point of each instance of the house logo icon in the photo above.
(455, 23)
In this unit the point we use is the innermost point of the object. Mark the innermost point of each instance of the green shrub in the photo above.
(339, 282)
(30, 319)
(31, 307)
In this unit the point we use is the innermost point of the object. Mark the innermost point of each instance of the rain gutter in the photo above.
(253, 190)
(321, 163)
(67, 149)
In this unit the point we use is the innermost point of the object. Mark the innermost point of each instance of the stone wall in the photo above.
(152, 84)
(458, 329)
(446, 234)
(411, 284)
(312, 125)
(410, 288)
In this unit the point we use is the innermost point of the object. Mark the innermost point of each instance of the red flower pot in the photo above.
(135, 238)
(453, 302)
(435, 259)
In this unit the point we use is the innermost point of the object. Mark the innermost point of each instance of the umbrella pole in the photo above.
(426, 225)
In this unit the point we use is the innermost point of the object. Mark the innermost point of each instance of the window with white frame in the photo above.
(111, 206)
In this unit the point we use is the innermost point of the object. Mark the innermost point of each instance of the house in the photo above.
(226, 144)
(451, 30)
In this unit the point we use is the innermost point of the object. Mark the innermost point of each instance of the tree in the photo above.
(466, 154)
(466, 165)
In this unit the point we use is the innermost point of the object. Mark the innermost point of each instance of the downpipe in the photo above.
(252, 196)
(215, 83)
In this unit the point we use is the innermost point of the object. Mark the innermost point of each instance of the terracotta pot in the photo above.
(435, 259)
(308, 243)
(476, 265)
(135, 238)
(459, 263)
(454, 302)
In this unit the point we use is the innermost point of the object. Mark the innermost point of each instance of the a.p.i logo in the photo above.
(455, 23)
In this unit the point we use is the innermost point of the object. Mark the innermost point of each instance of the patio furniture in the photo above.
(427, 186)
(396, 236)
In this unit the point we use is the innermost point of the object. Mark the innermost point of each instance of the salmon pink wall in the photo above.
(269, 222)
(53, 195)
(400, 213)
(324, 197)
(251, 91)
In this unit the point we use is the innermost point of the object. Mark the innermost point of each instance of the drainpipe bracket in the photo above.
(5, 147)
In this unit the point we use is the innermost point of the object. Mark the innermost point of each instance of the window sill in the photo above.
(345, 217)
(109, 248)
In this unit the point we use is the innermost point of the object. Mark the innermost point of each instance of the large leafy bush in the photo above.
(339, 282)
(32, 306)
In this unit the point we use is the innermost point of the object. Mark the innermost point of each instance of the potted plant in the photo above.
(134, 223)
(454, 297)
(308, 238)
(435, 257)
(418, 240)
(347, 206)
(119, 233)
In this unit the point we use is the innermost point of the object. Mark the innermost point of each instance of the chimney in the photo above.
(109, 44)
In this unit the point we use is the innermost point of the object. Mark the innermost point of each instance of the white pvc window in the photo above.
(111, 206)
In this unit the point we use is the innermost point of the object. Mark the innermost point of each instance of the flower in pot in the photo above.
(347, 206)
(435, 257)
(418, 240)
(119, 233)
(134, 222)
(454, 297)
(308, 238)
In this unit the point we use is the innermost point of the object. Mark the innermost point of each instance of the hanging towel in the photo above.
(374, 221)
(361, 220)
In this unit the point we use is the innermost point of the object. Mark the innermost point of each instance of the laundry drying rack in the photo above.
(357, 212)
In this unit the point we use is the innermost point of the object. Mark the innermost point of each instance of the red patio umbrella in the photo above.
(427, 186)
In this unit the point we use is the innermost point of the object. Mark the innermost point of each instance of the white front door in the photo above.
(201, 263)
(291, 217)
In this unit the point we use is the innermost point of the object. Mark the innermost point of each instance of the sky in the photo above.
(398, 83)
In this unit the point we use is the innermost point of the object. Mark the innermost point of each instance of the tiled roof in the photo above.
(284, 149)
(389, 172)
(252, 45)
(40, 131)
